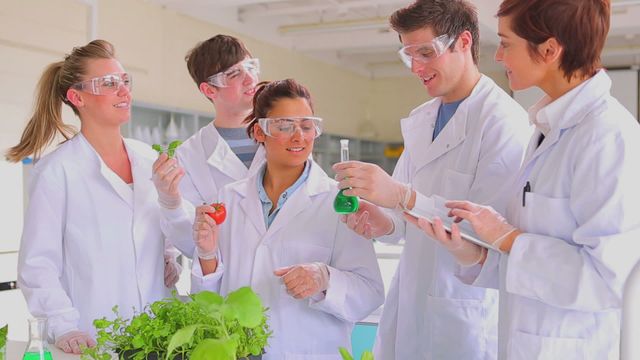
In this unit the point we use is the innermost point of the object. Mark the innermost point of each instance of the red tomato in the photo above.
(220, 214)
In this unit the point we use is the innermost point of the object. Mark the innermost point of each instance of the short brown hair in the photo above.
(450, 17)
(214, 55)
(267, 93)
(580, 26)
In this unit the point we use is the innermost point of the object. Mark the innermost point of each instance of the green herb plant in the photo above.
(206, 326)
(367, 355)
(3, 340)
(170, 150)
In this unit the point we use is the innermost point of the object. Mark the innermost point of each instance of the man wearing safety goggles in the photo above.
(463, 144)
(221, 152)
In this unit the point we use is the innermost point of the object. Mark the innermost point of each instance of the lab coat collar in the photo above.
(417, 129)
(317, 183)
(124, 190)
(224, 159)
(551, 118)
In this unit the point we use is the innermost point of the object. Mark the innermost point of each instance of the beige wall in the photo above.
(151, 42)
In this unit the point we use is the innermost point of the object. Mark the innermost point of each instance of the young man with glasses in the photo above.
(465, 143)
(219, 153)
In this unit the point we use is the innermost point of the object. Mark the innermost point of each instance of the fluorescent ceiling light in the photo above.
(335, 26)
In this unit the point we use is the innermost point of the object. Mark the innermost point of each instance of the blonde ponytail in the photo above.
(46, 120)
(57, 78)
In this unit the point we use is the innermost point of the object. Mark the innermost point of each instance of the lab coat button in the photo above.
(447, 146)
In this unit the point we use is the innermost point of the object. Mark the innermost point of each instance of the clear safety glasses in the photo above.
(246, 67)
(425, 52)
(284, 128)
(105, 85)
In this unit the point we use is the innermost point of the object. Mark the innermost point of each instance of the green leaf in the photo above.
(174, 144)
(367, 355)
(181, 337)
(345, 354)
(3, 335)
(157, 148)
(206, 298)
(215, 349)
(171, 149)
(101, 323)
(247, 305)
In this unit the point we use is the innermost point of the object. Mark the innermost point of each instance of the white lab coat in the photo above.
(205, 176)
(90, 241)
(561, 285)
(429, 313)
(306, 230)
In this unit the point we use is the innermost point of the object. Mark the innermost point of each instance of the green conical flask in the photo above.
(345, 204)
(37, 346)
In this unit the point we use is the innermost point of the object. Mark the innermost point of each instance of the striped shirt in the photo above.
(240, 143)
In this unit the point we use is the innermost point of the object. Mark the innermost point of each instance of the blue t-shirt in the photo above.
(240, 143)
(445, 113)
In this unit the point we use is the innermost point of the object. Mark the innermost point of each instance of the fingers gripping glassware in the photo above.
(37, 347)
(105, 85)
(345, 204)
(425, 52)
(250, 67)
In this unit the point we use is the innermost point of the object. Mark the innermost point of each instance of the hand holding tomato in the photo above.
(205, 233)
(220, 213)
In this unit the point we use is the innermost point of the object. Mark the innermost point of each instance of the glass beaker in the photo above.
(345, 204)
(37, 347)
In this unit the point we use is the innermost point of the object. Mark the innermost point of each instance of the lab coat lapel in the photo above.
(142, 194)
(250, 204)
(225, 160)
(123, 190)
(317, 182)
(590, 97)
(418, 132)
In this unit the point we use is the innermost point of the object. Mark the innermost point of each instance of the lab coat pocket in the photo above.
(456, 185)
(458, 328)
(548, 216)
(528, 346)
(293, 253)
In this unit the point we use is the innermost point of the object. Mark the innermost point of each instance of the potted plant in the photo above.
(207, 326)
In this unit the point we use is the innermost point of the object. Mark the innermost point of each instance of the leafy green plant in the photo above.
(3, 340)
(367, 355)
(207, 326)
(171, 148)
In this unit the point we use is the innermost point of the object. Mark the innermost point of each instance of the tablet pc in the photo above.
(466, 232)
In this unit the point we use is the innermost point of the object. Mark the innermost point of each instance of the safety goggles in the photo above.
(425, 52)
(246, 67)
(105, 85)
(284, 128)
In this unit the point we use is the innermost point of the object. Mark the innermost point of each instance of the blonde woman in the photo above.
(91, 237)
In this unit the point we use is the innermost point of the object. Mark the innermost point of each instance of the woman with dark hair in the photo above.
(283, 238)
(568, 241)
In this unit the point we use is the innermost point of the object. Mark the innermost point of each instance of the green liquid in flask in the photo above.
(36, 355)
(345, 204)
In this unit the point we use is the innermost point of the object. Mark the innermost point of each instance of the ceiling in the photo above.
(355, 34)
